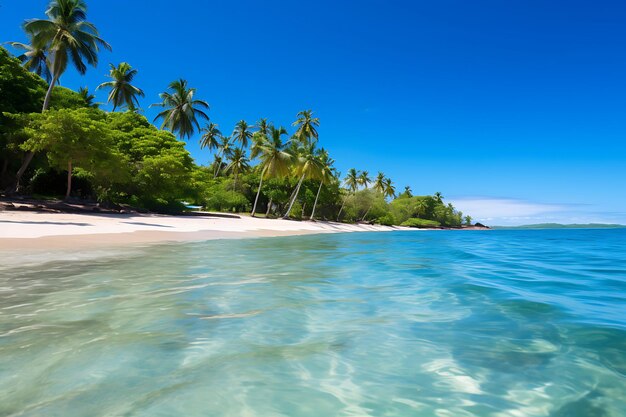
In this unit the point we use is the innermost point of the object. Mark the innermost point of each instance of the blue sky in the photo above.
(515, 111)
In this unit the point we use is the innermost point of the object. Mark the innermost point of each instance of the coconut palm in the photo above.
(242, 133)
(308, 166)
(211, 136)
(182, 110)
(263, 127)
(364, 179)
(421, 207)
(238, 164)
(307, 125)
(88, 97)
(352, 182)
(326, 175)
(65, 35)
(379, 182)
(225, 151)
(390, 190)
(438, 197)
(379, 187)
(407, 191)
(275, 159)
(34, 59)
(123, 92)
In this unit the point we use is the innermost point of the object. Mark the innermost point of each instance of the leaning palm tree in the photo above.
(182, 110)
(64, 36)
(379, 187)
(210, 137)
(326, 175)
(34, 59)
(276, 160)
(352, 182)
(238, 164)
(307, 125)
(308, 166)
(122, 93)
(88, 97)
(242, 133)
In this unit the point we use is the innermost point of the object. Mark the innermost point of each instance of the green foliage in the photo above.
(423, 223)
(221, 197)
(21, 91)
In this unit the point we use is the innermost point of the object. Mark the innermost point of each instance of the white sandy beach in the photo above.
(43, 230)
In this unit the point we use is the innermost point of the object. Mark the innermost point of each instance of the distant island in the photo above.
(564, 226)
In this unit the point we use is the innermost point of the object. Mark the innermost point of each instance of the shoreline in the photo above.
(45, 230)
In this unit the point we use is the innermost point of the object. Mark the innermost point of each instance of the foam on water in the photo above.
(498, 324)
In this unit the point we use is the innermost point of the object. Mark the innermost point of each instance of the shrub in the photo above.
(422, 223)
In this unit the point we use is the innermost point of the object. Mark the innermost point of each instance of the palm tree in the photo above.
(421, 207)
(326, 175)
(379, 187)
(407, 191)
(242, 133)
(438, 197)
(182, 111)
(379, 183)
(263, 127)
(275, 159)
(122, 93)
(210, 137)
(308, 166)
(88, 97)
(225, 151)
(66, 35)
(352, 182)
(390, 190)
(34, 59)
(238, 164)
(306, 127)
(364, 179)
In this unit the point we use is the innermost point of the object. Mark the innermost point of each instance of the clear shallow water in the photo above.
(445, 324)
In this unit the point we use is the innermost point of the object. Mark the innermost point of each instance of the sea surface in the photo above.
(503, 323)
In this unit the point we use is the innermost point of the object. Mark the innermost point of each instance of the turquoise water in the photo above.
(443, 324)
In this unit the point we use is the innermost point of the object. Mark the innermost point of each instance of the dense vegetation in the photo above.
(54, 141)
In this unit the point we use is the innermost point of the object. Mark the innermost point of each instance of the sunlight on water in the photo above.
(444, 324)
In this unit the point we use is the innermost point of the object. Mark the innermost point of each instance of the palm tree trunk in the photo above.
(367, 212)
(29, 155)
(69, 179)
(269, 207)
(342, 206)
(295, 195)
(256, 200)
(315, 204)
(218, 167)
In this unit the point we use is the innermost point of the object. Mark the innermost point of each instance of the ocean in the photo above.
(502, 323)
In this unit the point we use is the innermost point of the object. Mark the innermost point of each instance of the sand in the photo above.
(41, 230)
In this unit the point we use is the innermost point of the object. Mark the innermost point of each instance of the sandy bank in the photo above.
(67, 230)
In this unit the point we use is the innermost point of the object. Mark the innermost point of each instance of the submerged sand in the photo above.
(43, 230)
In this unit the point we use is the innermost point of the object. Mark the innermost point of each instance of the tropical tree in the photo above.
(65, 35)
(263, 127)
(407, 191)
(326, 175)
(238, 164)
(276, 160)
(211, 136)
(390, 190)
(364, 179)
(468, 220)
(306, 124)
(88, 97)
(123, 92)
(242, 134)
(352, 182)
(182, 110)
(379, 183)
(307, 166)
(34, 58)
(438, 197)
(225, 151)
